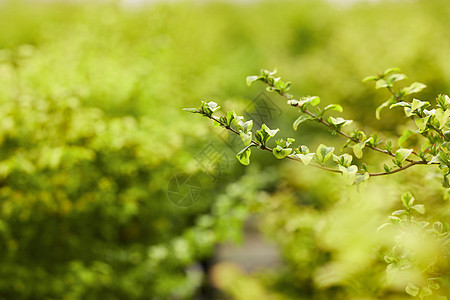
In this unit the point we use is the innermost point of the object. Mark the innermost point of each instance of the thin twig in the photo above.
(263, 147)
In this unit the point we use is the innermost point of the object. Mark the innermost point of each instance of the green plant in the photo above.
(431, 124)
(432, 148)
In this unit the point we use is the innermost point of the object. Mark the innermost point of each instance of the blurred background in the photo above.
(109, 190)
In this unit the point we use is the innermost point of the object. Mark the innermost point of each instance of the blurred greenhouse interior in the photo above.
(109, 190)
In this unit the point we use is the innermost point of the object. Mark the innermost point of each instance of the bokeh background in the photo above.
(109, 190)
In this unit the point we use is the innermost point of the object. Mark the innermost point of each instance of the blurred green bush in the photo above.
(92, 131)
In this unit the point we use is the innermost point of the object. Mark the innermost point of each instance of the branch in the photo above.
(413, 163)
(431, 125)
(320, 120)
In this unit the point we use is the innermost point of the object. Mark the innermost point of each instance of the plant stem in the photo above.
(263, 147)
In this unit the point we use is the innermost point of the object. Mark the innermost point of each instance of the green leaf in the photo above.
(344, 160)
(412, 290)
(244, 156)
(314, 101)
(361, 178)
(357, 149)
(413, 88)
(402, 154)
(280, 152)
(416, 104)
(338, 122)
(270, 132)
(300, 120)
(246, 137)
(383, 105)
(381, 83)
(420, 208)
(208, 108)
(231, 115)
(305, 158)
(396, 77)
(402, 104)
(245, 126)
(391, 70)
(421, 123)
(370, 78)
(442, 117)
(324, 153)
(407, 200)
(349, 173)
(264, 134)
(192, 110)
(335, 107)
(303, 149)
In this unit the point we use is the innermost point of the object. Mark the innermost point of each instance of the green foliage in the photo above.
(407, 254)
(92, 133)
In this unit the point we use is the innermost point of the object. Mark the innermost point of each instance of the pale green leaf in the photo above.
(246, 137)
(324, 153)
(402, 154)
(335, 107)
(414, 88)
(357, 149)
(300, 120)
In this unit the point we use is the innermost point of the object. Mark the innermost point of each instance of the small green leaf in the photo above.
(414, 88)
(381, 83)
(349, 173)
(338, 122)
(421, 123)
(386, 168)
(335, 107)
(303, 149)
(280, 152)
(270, 132)
(396, 77)
(324, 153)
(383, 105)
(314, 101)
(402, 104)
(420, 208)
(246, 137)
(264, 134)
(357, 149)
(251, 79)
(245, 126)
(416, 104)
(412, 290)
(442, 117)
(344, 160)
(391, 70)
(192, 110)
(370, 78)
(300, 120)
(305, 158)
(407, 200)
(402, 154)
(361, 178)
(244, 156)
